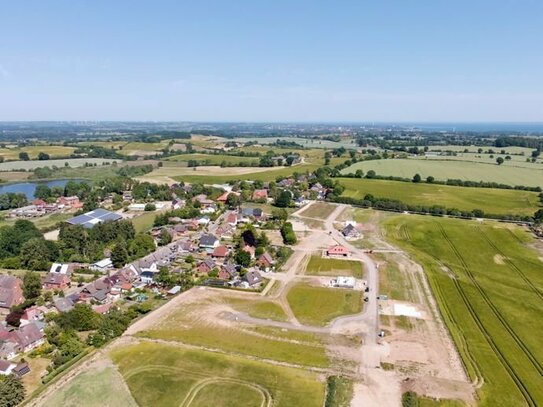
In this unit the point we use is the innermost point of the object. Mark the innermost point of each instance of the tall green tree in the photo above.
(37, 253)
(31, 285)
(119, 254)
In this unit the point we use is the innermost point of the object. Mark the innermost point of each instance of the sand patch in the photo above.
(499, 259)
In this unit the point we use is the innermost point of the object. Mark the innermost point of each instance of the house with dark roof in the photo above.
(227, 271)
(11, 291)
(253, 278)
(350, 231)
(63, 304)
(208, 242)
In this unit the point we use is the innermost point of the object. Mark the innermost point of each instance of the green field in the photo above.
(318, 210)
(495, 201)
(320, 305)
(259, 309)
(268, 174)
(144, 222)
(213, 159)
(94, 388)
(449, 169)
(334, 267)
(487, 280)
(172, 376)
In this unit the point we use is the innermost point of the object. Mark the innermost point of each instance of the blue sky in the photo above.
(272, 60)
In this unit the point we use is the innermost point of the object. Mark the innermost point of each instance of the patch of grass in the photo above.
(144, 222)
(445, 169)
(221, 394)
(318, 210)
(492, 309)
(334, 267)
(339, 392)
(162, 375)
(320, 305)
(243, 342)
(495, 201)
(394, 283)
(94, 388)
(259, 309)
(387, 366)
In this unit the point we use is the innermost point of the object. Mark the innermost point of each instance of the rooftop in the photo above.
(89, 219)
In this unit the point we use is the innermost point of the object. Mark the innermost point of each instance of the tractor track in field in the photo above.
(505, 363)
(512, 266)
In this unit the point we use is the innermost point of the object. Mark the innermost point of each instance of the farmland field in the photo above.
(33, 151)
(216, 174)
(334, 267)
(496, 201)
(488, 283)
(448, 169)
(320, 305)
(30, 165)
(213, 159)
(163, 375)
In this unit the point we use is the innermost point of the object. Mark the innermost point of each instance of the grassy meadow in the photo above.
(258, 309)
(320, 305)
(12, 153)
(506, 173)
(334, 267)
(495, 201)
(163, 375)
(213, 159)
(318, 210)
(94, 388)
(487, 280)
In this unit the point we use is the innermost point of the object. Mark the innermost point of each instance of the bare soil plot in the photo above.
(318, 210)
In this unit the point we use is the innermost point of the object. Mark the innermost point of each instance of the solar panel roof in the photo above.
(89, 219)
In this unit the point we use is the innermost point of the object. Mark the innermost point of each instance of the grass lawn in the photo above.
(506, 173)
(144, 222)
(162, 375)
(259, 309)
(94, 388)
(340, 391)
(319, 210)
(320, 305)
(495, 201)
(487, 280)
(334, 267)
(41, 222)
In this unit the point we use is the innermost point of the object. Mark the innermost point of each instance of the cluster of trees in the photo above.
(12, 391)
(11, 200)
(287, 232)
(76, 243)
(72, 188)
(23, 246)
(394, 205)
(188, 212)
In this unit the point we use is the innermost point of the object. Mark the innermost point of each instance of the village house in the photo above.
(350, 231)
(72, 202)
(249, 249)
(62, 268)
(56, 281)
(253, 278)
(28, 337)
(220, 253)
(6, 368)
(178, 203)
(63, 304)
(102, 266)
(260, 195)
(208, 242)
(231, 219)
(337, 251)
(265, 261)
(227, 271)
(205, 266)
(225, 231)
(147, 277)
(11, 291)
(33, 314)
(8, 349)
